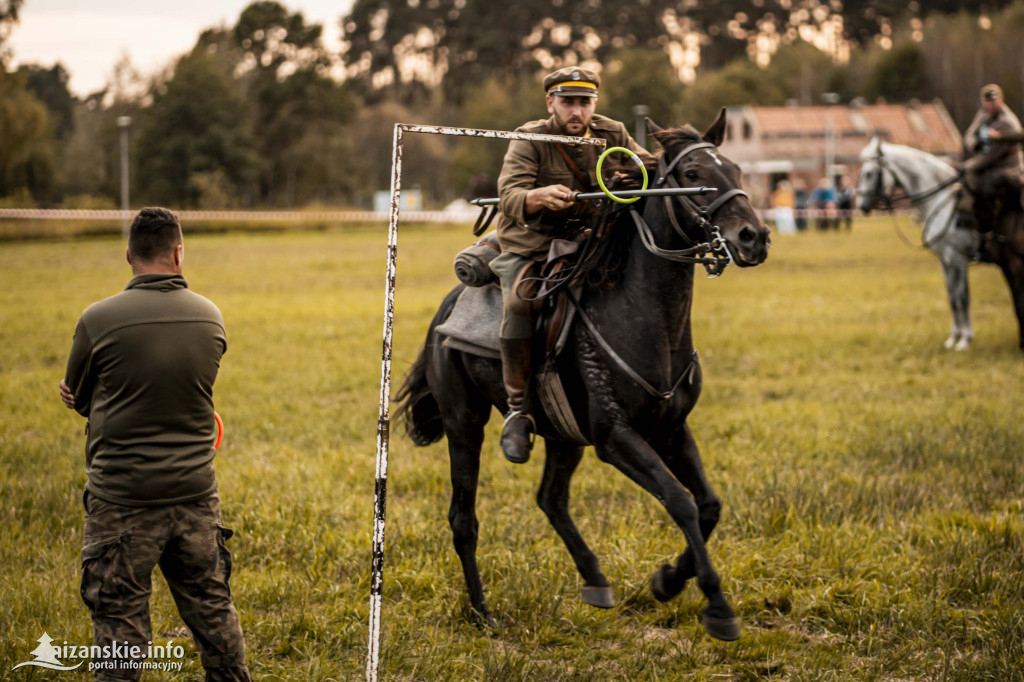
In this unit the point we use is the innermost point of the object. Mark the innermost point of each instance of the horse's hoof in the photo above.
(658, 589)
(725, 629)
(601, 597)
(486, 619)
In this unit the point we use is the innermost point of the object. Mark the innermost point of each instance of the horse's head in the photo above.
(692, 159)
(876, 178)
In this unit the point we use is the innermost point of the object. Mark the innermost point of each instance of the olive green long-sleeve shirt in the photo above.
(142, 368)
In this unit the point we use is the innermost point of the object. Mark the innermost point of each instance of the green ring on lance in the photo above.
(600, 180)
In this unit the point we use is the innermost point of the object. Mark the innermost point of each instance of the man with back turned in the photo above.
(141, 370)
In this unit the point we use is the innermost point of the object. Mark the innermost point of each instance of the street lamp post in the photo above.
(640, 131)
(830, 99)
(124, 123)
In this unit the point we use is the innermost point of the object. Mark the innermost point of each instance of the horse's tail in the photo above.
(417, 407)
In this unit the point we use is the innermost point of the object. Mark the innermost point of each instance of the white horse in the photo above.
(930, 185)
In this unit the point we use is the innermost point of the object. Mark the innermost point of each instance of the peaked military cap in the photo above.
(991, 91)
(572, 81)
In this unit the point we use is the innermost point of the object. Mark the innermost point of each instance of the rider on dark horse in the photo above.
(992, 171)
(536, 189)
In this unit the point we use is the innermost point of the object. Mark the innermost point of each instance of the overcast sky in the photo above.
(88, 36)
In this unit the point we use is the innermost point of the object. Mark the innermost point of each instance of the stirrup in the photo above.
(521, 453)
(513, 414)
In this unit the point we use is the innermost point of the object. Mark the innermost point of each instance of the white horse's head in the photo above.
(876, 179)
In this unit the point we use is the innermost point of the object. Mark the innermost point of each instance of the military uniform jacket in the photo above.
(982, 155)
(529, 164)
(142, 368)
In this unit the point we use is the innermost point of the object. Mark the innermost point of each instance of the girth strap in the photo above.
(687, 372)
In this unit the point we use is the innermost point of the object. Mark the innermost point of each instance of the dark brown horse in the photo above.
(630, 373)
(1002, 236)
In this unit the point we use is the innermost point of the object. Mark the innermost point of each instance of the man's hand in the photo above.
(67, 396)
(552, 197)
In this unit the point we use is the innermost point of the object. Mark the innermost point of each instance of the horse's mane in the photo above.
(604, 266)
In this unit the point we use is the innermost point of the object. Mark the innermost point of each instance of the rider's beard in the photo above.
(572, 126)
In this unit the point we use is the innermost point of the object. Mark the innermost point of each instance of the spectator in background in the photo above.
(844, 202)
(823, 199)
(800, 199)
(783, 202)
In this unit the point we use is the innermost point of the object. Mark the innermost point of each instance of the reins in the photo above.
(696, 252)
(713, 253)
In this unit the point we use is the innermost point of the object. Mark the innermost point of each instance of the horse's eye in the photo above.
(691, 175)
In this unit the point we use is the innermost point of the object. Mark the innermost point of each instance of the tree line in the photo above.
(255, 115)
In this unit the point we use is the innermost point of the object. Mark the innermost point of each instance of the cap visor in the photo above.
(574, 92)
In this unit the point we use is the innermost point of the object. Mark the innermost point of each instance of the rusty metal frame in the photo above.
(384, 420)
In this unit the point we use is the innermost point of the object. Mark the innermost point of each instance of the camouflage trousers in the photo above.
(123, 545)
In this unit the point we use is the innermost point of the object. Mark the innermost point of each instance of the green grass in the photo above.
(873, 482)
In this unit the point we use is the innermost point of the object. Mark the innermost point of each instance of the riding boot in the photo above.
(519, 427)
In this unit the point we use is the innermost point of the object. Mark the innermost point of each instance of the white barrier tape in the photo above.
(245, 216)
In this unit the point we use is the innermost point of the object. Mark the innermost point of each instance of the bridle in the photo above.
(884, 166)
(713, 253)
(886, 200)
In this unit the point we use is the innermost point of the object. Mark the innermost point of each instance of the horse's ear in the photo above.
(652, 127)
(716, 133)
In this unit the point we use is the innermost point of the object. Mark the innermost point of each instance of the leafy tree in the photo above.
(299, 111)
(740, 82)
(8, 17)
(198, 125)
(50, 86)
(425, 159)
(400, 47)
(497, 105)
(27, 160)
(647, 77)
(899, 74)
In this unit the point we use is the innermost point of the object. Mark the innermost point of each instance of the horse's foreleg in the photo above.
(954, 269)
(683, 460)
(465, 438)
(624, 449)
(1013, 270)
(560, 462)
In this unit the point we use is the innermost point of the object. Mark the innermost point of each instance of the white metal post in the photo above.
(384, 420)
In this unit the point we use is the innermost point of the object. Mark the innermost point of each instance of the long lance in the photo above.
(626, 193)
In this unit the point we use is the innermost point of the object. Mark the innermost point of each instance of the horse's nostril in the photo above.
(748, 235)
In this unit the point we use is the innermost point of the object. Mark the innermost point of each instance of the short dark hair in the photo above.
(154, 234)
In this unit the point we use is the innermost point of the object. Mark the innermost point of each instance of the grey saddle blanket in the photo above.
(475, 322)
(473, 327)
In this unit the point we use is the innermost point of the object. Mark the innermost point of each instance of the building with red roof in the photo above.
(773, 143)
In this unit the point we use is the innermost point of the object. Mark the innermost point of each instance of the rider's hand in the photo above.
(551, 197)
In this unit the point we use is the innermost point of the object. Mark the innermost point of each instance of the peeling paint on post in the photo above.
(384, 420)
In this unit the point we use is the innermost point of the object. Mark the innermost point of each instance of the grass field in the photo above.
(873, 482)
